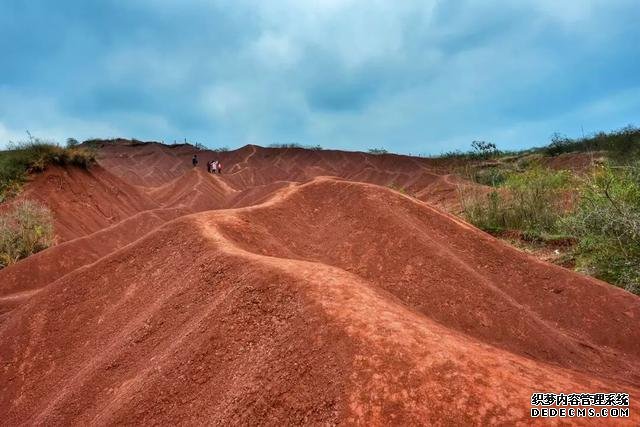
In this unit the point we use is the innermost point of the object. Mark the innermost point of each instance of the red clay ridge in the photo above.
(297, 287)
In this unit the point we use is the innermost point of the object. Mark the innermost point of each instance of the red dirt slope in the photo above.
(85, 201)
(153, 165)
(322, 301)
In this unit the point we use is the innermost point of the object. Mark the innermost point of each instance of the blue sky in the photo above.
(410, 76)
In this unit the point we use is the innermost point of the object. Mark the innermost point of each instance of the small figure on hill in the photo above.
(214, 166)
(209, 166)
(194, 161)
(219, 167)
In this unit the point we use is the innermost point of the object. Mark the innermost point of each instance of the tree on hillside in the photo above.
(484, 149)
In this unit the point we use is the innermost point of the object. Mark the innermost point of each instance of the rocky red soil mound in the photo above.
(273, 294)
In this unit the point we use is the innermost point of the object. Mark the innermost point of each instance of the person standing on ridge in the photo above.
(219, 167)
(194, 161)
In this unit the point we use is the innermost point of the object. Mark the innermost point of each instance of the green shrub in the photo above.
(485, 150)
(561, 144)
(34, 156)
(622, 145)
(485, 211)
(607, 225)
(377, 151)
(493, 176)
(481, 150)
(532, 201)
(26, 228)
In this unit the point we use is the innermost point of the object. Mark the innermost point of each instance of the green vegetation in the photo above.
(487, 165)
(286, 145)
(606, 223)
(26, 228)
(296, 145)
(480, 150)
(398, 188)
(597, 212)
(95, 143)
(485, 150)
(377, 151)
(621, 145)
(34, 156)
(492, 174)
(531, 202)
(72, 143)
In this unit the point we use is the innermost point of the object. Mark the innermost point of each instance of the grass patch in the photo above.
(531, 201)
(491, 174)
(26, 228)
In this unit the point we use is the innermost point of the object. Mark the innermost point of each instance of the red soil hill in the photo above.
(322, 300)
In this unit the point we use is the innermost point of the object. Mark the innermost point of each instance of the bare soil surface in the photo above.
(298, 287)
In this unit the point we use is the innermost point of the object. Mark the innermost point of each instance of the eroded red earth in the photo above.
(298, 287)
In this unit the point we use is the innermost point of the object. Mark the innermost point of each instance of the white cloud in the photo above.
(223, 101)
(275, 50)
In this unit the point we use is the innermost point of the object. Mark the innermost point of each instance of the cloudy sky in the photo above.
(410, 76)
